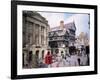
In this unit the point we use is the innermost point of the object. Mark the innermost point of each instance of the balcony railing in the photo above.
(58, 39)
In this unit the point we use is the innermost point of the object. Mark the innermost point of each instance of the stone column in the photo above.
(27, 33)
(47, 35)
(34, 34)
(39, 35)
(44, 34)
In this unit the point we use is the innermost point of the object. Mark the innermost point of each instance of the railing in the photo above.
(58, 39)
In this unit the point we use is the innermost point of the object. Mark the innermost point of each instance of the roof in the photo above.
(35, 15)
(70, 25)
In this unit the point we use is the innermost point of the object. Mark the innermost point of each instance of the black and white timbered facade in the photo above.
(62, 37)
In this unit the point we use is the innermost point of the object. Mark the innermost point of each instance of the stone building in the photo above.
(82, 41)
(35, 37)
(61, 37)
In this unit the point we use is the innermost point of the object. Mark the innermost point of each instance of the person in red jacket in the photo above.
(48, 59)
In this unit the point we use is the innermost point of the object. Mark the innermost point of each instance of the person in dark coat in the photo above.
(48, 59)
(88, 53)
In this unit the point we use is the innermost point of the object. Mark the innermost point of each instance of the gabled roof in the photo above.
(55, 28)
(70, 25)
(35, 15)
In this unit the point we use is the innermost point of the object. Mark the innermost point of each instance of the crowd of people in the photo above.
(75, 58)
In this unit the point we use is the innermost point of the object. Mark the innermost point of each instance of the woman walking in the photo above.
(48, 59)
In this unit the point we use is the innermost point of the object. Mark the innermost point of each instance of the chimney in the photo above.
(61, 24)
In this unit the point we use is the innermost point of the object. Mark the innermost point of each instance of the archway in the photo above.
(30, 56)
(37, 53)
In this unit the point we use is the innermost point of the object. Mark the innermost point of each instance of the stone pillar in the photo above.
(34, 34)
(44, 41)
(27, 33)
(39, 35)
(47, 36)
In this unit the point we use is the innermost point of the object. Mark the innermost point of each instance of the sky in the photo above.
(81, 20)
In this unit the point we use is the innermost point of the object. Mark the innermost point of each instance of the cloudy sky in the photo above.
(81, 20)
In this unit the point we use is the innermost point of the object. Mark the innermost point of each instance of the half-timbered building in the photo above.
(62, 37)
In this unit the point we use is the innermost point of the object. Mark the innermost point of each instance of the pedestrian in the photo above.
(62, 54)
(59, 56)
(35, 61)
(74, 60)
(88, 54)
(48, 59)
(59, 60)
(78, 55)
(84, 60)
(30, 55)
(67, 58)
